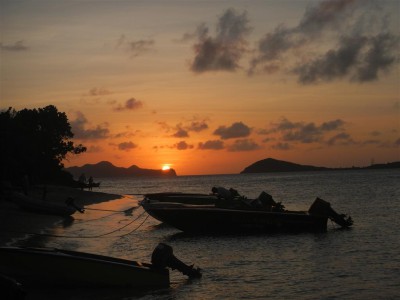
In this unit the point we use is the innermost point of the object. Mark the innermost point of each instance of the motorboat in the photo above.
(243, 216)
(52, 267)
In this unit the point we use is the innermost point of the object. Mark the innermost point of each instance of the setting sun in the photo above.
(166, 167)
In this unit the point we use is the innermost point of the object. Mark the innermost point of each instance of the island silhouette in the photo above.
(269, 165)
(107, 169)
(273, 165)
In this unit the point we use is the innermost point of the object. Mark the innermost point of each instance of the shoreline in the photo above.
(15, 223)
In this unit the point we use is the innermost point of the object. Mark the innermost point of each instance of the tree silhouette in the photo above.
(34, 142)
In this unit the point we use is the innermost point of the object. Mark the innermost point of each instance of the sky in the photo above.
(210, 87)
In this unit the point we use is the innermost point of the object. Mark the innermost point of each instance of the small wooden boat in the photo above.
(187, 198)
(214, 218)
(64, 268)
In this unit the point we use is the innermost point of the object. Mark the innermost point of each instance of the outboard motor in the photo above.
(163, 257)
(323, 208)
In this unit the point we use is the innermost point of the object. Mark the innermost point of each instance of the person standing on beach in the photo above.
(90, 183)
(82, 181)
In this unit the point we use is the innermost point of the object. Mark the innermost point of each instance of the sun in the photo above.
(166, 167)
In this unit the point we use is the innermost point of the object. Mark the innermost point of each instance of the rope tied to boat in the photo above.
(104, 235)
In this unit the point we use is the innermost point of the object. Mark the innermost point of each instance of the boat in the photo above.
(179, 197)
(32, 204)
(243, 216)
(51, 267)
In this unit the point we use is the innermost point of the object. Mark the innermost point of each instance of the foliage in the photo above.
(34, 142)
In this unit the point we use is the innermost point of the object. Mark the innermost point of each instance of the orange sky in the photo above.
(210, 87)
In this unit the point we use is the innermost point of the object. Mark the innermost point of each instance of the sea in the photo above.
(362, 262)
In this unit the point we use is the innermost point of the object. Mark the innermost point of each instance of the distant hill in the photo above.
(107, 169)
(274, 165)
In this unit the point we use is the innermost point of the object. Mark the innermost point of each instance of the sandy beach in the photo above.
(15, 222)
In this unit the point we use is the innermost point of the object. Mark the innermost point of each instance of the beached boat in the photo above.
(243, 218)
(178, 197)
(45, 207)
(64, 268)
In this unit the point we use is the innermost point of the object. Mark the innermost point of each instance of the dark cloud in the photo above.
(120, 41)
(397, 142)
(375, 133)
(130, 104)
(94, 149)
(182, 145)
(282, 146)
(99, 92)
(16, 47)
(182, 130)
(211, 145)
(302, 132)
(243, 145)
(140, 47)
(327, 13)
(126, 146)
(78, 128)
(342, 138)
(362, 46)
(197, 126)
(180, 133)
(359, 58)
(236, 130)
(371, 142)
(222, 52)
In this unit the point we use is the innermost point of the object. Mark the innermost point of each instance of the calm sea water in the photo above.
(360, 263)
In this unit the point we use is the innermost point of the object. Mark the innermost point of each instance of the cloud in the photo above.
(127, 146)
(182, 130)
(360, 58)
(94, 149)
(78, 128)
(211, 145)
(182, 145)
(342, 138)
(180, 133)
(308, 132)
(197, 126)
(130, 104)
(99, 92)
(243, 145)
(137, 48)
(282, 146)
(361, 48)
(236, 130)
(16, 47)
(120, 41)
(222, 52)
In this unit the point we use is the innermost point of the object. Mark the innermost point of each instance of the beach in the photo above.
(16, 224)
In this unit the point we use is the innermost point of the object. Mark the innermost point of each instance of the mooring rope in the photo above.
(104, 235)
(126, 212)
(129, 210)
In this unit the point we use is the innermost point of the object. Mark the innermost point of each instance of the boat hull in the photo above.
(209, 219)
(186, 198)
(60, 268)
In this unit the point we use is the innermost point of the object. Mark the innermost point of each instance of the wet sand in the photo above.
(15, 222)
